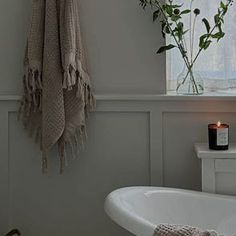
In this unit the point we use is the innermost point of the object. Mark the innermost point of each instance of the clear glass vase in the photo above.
(189, 82)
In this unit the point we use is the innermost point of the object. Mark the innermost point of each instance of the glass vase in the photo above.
(189, 82)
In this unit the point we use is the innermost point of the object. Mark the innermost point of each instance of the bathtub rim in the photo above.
(135, 224)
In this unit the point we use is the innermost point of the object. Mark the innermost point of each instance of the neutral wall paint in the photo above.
(14, 18)
(120, 41)
(119, 37)
(131, 142)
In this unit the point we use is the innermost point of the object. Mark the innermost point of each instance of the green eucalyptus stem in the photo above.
(201, 49)
(188, 64)
(192, 80)
(182, 40)
(184, 46)
(185, 42)
(170, 14)
(180, 47)
(198, 54)
(192, 40)
(173, 35)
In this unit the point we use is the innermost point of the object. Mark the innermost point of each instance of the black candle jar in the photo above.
(218, 136)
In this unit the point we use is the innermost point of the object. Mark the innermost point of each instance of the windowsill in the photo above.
(169, 96)
(218, 95)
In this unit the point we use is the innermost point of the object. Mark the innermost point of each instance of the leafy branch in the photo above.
(170, 16)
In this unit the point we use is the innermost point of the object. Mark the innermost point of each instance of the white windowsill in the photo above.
(170, 96)
(219, 95)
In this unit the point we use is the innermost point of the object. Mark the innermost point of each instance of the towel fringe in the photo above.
(32, 98)
(31, 103)
(62, 155)
(75, 75)
(75, 144)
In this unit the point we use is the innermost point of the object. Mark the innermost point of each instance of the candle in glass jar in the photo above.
(218, 135)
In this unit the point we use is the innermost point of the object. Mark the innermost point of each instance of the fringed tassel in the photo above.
(76, 147)
(83, 135)
(73, 149)
(31, 106)
(38, 135)
(79, 93)
(62, 155)
(76, 77)
(69, 79)
(74, 143)
(32, 98)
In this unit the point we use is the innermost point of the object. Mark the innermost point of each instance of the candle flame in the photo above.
(218, 124)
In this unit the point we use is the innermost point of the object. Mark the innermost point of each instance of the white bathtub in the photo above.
(140, 209)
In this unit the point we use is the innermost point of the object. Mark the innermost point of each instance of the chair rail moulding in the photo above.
(146, 97)
(158, 107)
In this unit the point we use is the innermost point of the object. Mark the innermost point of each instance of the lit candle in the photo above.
(218, 135)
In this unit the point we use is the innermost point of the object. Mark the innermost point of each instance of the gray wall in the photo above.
(121, 42)
(119, 37)
(134, 138)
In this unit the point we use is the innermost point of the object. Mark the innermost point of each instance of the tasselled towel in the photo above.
(57, 90)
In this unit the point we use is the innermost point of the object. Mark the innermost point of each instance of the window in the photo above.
(216, 65)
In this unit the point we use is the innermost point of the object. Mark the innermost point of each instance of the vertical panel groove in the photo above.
(4, 171)
(156, 148)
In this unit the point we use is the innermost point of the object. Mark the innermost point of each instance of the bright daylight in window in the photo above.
(216, 65)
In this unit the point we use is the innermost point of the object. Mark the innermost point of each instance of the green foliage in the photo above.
(206, 22)
(156, 14)
(216, 32)
(185, 11)
(170, 16)
(165, 48)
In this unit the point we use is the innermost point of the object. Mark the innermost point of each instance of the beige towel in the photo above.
(57, 89)
(181, 230)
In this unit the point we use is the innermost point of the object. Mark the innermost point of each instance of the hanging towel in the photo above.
(180, 230)
(57, 90)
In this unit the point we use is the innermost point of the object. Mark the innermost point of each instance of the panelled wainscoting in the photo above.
(133, 140)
